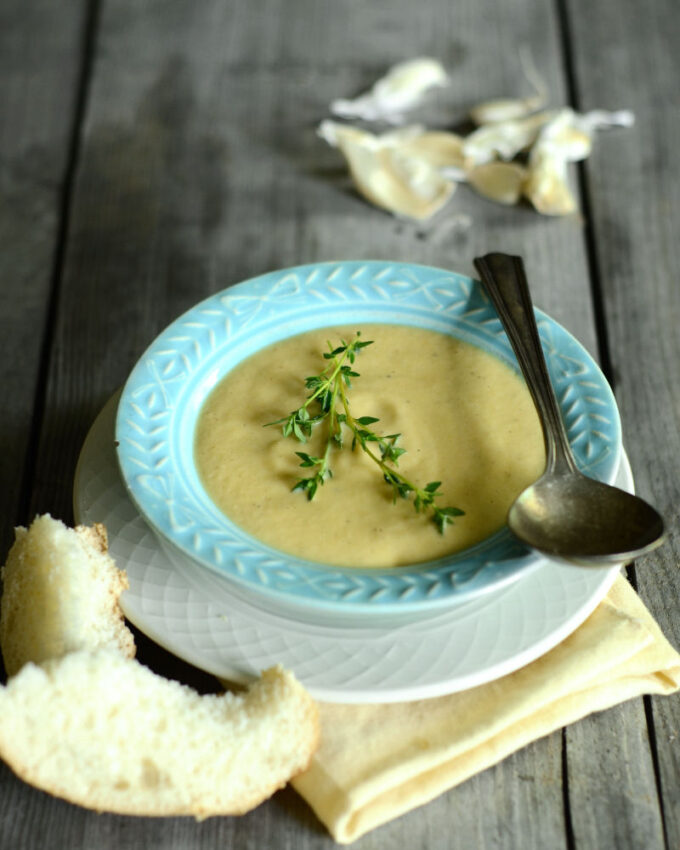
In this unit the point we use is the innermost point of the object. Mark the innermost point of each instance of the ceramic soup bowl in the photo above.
(163, 396)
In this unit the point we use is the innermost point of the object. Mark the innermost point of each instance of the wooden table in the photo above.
(154, 153)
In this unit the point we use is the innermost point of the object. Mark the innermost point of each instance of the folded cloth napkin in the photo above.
(377, 762)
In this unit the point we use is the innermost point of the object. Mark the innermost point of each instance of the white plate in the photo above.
(196, 615)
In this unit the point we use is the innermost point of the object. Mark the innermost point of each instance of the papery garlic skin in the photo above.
(439, 148)
(600, 119)
(399, 90)
(387, 176)
(503, 140)
(506, 109)
(572, 132)
(334, 133)
(564, 136)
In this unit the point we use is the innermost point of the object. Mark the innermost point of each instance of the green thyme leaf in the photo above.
(328, 403)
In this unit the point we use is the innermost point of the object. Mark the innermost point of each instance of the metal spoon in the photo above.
(564, 514)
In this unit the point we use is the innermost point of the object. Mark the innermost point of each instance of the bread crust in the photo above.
(61, 592)
(74, 696)
(245, 767)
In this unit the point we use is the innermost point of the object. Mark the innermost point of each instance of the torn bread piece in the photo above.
(60, 594)
(84, 722)
(104, 732)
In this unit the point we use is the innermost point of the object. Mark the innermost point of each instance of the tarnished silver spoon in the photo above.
(564, 514)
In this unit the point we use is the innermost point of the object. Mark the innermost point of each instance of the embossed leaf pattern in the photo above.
(155, 407)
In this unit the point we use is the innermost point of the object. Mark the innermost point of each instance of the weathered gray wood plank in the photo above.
(626, 56)
(605, 763)
(40, 59)
(39, 64)
(200, 167)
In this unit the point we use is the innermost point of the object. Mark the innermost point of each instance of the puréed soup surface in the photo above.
(465, 418)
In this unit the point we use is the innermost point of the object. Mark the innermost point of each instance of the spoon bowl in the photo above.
(565, 514)
(581, 520)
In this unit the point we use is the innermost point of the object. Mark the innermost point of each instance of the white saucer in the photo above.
(195, 615)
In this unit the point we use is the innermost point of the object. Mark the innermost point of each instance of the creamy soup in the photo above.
(466, 419)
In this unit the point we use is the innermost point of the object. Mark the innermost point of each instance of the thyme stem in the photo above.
(329, 390)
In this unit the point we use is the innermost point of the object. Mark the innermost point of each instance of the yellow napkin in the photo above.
(377, 762)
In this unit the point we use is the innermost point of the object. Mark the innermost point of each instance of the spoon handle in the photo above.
(505, 283)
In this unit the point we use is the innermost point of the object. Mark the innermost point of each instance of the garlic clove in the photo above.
(400, 184)
(334, 133)
(571, 133)
(506, 109)
(574, 144)
(439, 148)
(564, 137)
(399, 90)
(387, 176)
(505, 139)
(546, 185)
(499, 181)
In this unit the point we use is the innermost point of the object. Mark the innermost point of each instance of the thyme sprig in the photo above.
(328, 402)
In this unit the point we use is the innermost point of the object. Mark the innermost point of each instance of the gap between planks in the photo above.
(605, 359)
(88, 49)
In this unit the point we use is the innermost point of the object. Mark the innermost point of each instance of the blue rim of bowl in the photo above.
(163, 395)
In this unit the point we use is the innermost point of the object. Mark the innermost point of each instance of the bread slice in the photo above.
(82, 720)
(103, 731)
(60, 594)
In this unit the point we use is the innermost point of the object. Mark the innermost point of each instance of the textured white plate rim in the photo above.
(99, 496)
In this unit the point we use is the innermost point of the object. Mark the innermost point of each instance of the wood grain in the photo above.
(39, 66)
(40, 62)
(634, 200)
(198, 166)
